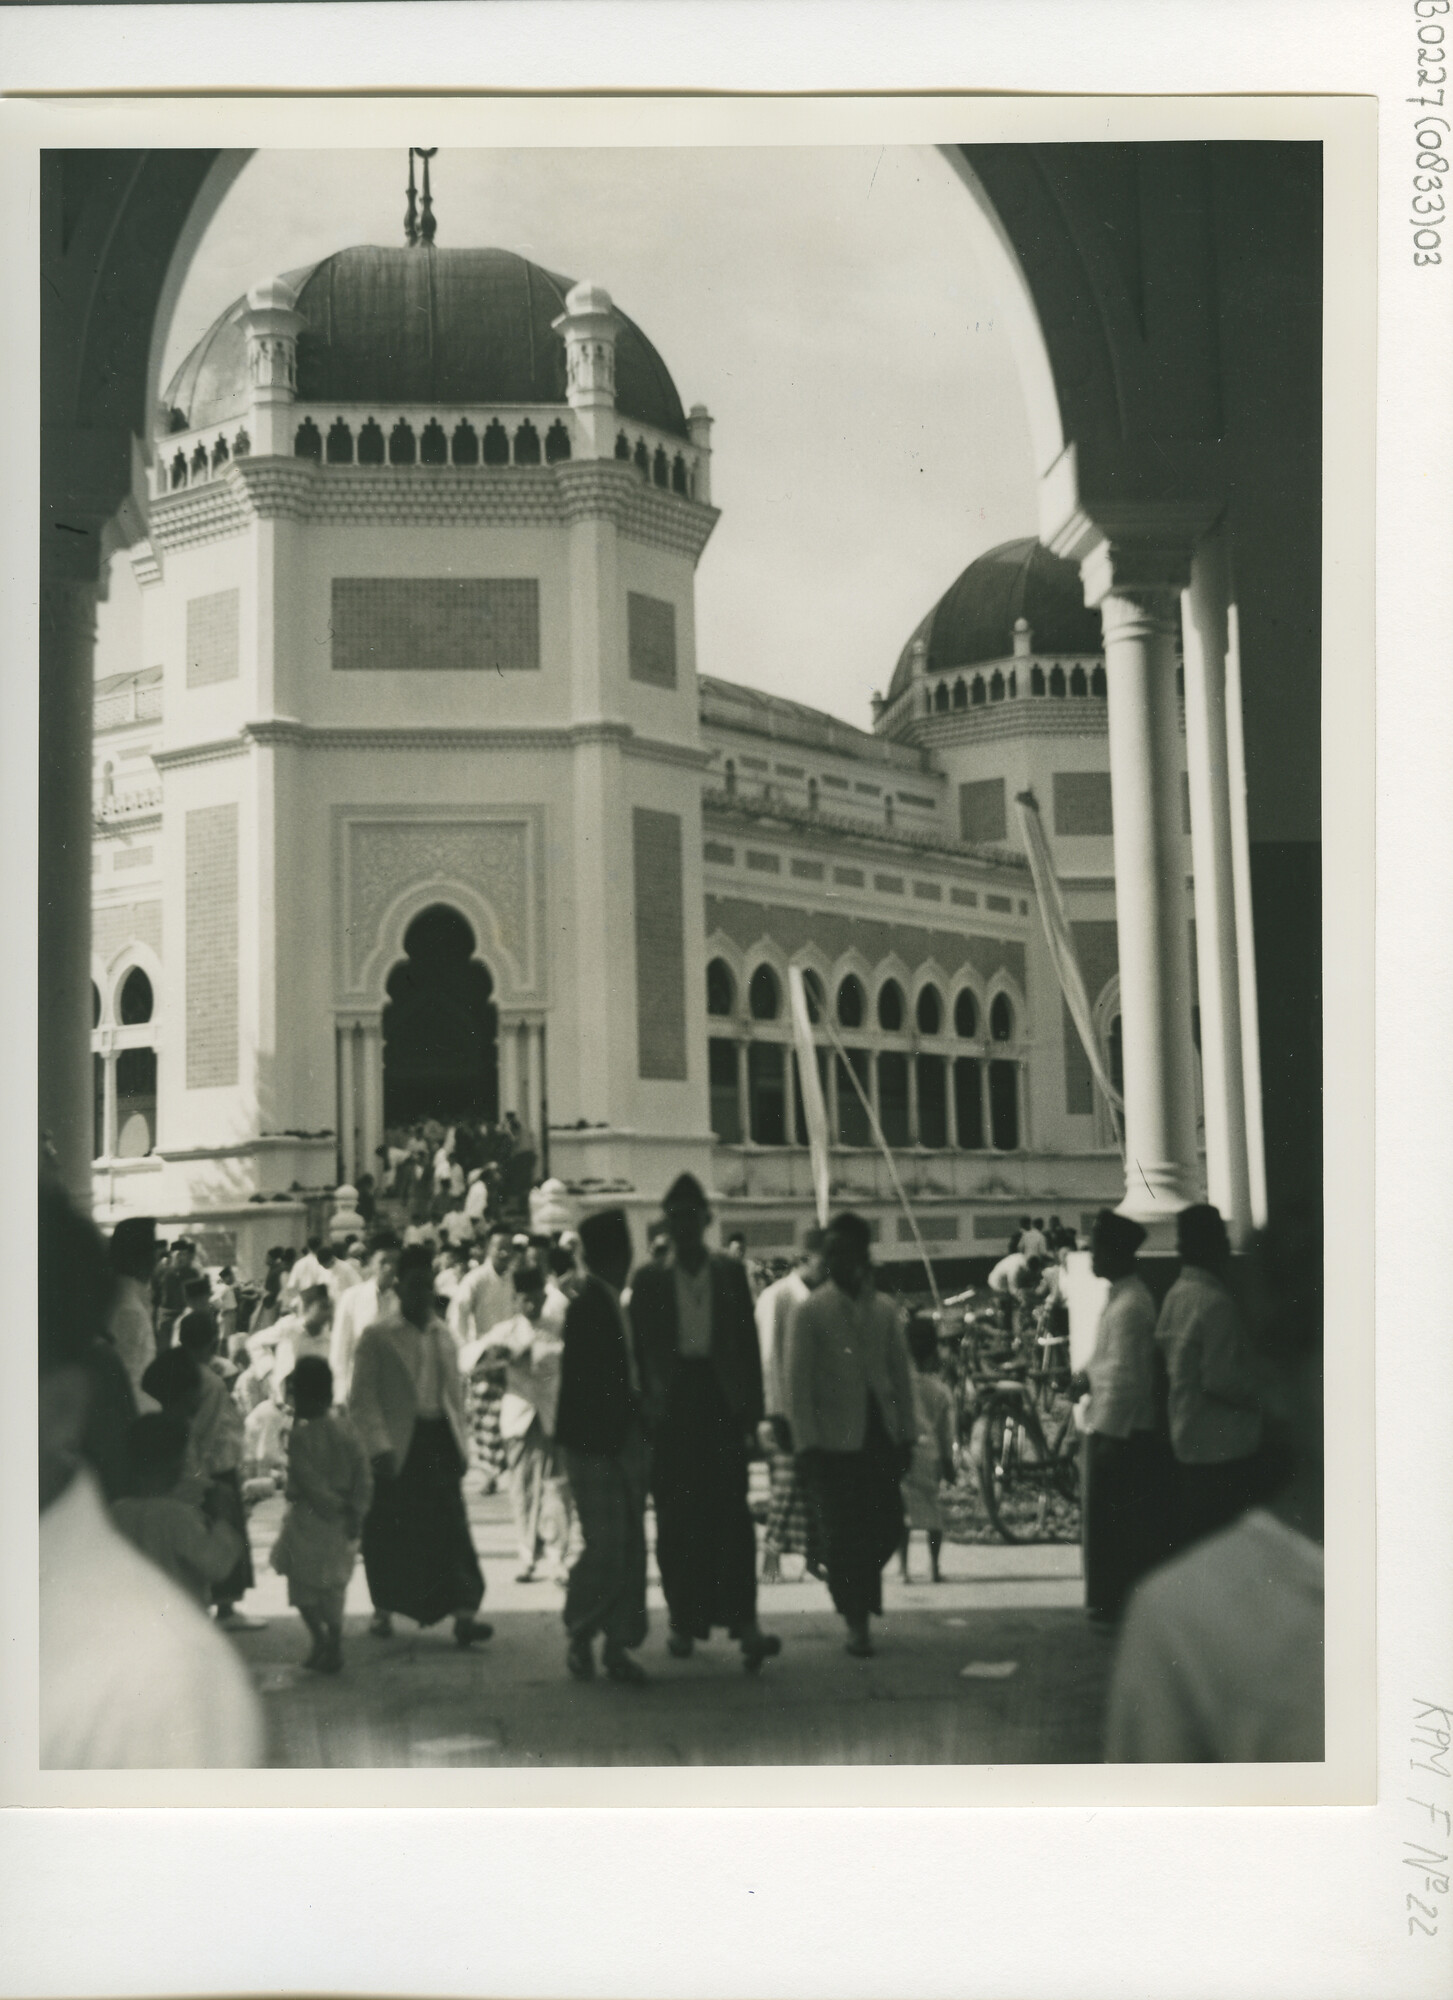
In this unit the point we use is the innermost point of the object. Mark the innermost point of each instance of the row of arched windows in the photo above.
(975, 693)
(671, 473)
(765, 1002)
(123, 1074)
(431, 446)
(927, 1097)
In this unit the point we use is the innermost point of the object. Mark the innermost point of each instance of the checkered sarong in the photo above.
(791, 1518)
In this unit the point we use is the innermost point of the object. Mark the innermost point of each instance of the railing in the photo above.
(784, 1173)
(466, 438)
(129, 805)
(120, 706)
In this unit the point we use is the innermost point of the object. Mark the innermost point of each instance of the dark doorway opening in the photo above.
(440, 1026)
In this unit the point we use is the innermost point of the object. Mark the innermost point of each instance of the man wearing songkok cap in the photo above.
(697, 1331)
(1125, 1501)
(599, 1430)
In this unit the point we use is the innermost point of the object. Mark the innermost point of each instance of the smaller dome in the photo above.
(588, 297)
(1017, 584)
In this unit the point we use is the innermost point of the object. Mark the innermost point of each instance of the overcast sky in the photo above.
(824, 303)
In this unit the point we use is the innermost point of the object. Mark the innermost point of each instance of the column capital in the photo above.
(1139, 550)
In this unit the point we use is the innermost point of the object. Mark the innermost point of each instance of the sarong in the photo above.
(792, 1527)
(486, 1393)
(227, 1489)
(861, 1506)
(418, 1554)
(607, 1588)
(706, 1546)
(539, 1497)
(1126, 1513)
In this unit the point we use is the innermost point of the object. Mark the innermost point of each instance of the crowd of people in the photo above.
(362, 1379)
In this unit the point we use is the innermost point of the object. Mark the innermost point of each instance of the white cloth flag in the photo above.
(1061, 943)
(812, 1104)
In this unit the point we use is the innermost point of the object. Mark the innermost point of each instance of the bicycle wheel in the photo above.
(995, 1451)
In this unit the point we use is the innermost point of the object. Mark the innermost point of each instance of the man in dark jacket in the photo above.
(702, 1365)
(598, 1428)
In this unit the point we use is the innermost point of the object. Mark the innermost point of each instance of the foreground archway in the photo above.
(440, 1026)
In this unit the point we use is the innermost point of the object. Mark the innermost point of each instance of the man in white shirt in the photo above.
(360, 1307)
(132, 1675)
(487, 1295)
(1221, 1657)
(306, 1270)
(307, 1331)
(791, 1512)
(530, 1342)
(1126, 1502)
(476, 1197)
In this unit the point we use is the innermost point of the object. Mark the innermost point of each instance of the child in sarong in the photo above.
(329, 1489)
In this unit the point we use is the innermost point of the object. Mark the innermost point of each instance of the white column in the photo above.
(1204, 642)
(346, 1116)
(509, 1067)
(370, 1059)
(535, 1090)
(1138, 612)
(109, 1133)
(1245, 933)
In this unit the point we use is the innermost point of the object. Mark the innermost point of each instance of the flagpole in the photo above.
(887, 1153)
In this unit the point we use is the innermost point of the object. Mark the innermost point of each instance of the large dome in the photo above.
(974, 619)
(392, 327)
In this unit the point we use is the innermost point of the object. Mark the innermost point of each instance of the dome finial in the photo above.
(417, 229)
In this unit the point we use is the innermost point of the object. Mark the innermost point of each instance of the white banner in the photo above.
(812, 1103)
(1062, 946)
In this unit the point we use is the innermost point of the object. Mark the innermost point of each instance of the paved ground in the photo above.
(1034, 1693)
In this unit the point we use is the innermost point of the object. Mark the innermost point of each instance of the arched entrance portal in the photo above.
(440, 1026)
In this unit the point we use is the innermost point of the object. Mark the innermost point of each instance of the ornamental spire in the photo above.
(420, 228)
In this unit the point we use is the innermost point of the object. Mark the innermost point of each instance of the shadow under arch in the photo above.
(440, 1025)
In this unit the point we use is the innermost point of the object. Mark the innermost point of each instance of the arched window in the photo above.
(678, 474)
(95, 1005)
(1078, 684)
(642, 458)
(940, 698)
(890, 1007)
(721, 988)
(929, 1012)
(661, 467)
(401, 445)
(961, 693)
(527, 444)
(978, 694)
(199, 460)
(812, 795)
(135, 1103)
(966, 1016)
(623, 446)
(134, 1006)
(996, 686)
(371, 444)
(220, 454)
(433, 445)
(557, 443)
(1097, 683)
(729, 772)
(1057, 682)
(1001, 1019)
(464, 445)
(496, 443)
(764, 994)
(340, 443)
(1013, 683)
(179, 471)
(308, 441)
(816, 997)
(852, 1002)
(1036, 680)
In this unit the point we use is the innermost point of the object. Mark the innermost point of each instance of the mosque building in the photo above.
(411, 798)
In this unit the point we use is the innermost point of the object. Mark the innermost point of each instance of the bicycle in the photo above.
(1018, 1464)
